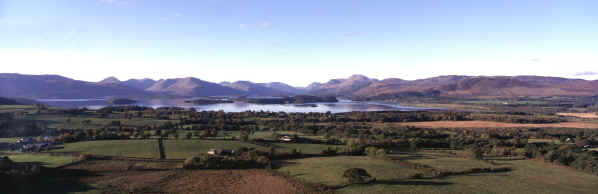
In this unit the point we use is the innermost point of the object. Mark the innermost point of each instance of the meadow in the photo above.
(527, 176)
(46, 160)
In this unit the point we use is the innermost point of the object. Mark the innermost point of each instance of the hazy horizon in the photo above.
(298, 42)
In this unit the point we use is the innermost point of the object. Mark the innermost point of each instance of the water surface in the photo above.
(336, 107)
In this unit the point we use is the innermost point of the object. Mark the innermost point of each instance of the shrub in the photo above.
(417, 176)
(5, 163)
(478, 153)
(329, 151)
(83, 157)
(353, 148)
(357, 175)
(375, 152)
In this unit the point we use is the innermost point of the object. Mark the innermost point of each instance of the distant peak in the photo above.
(110, 79)
(358, 76)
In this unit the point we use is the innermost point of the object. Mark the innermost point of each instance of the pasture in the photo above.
(329, 170)
(305, 148)
(44, 159)
(494, 124)
(526, 176)
(175, 149)
(125, 148)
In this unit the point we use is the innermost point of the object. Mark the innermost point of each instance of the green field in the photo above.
(441, 160)
(180, 149)
(64, 122)
(8, 140)
(175, 149)
(129, 148)
(527, 177)
(45, 159)
(329, 170)
(534, 140)
(305, 148)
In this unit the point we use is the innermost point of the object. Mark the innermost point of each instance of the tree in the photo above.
(244, 136)
(357, 175)
(188, 135)
(478, 153)
(353, 148)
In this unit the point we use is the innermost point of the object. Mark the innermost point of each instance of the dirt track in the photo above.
(492, 124)
(144, 177)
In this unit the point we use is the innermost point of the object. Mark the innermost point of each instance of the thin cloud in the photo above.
(586, 73)
(1, 9)
(265, 24)
(109, 1)
(242, 26)
(114, 2)
(352, 34)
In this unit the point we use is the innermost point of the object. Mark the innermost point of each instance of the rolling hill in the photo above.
(356, 86)
(192, 87)
(55, 86)
(255, 89)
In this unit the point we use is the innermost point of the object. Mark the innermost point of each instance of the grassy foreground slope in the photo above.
(44, 159)
(528, 176)
(329, 170)
(129, 148)
(175, 149)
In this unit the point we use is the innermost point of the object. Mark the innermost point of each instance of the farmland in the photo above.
(414, 152)
(493, 124)
(44, 159)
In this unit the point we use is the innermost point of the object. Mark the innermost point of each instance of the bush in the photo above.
(477, 153)
(353, 148)
(5, 163)
(329, 151)
(83, 157)
(375, 152)
(357, 175)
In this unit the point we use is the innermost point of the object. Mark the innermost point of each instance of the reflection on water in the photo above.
(342, 106)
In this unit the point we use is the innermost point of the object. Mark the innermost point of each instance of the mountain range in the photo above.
(356, 86)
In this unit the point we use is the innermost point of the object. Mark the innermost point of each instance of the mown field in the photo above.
(527, 176)
(329, 170)
(44, 159)
(493, 124)
(175, 149)
(128, 148)
(305, 148)
(80, 122)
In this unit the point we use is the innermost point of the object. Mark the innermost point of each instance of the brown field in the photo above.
(580, 115)
(112, 176)
(493, 124)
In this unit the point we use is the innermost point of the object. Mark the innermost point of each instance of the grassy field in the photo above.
(45, 159)
(493, 124)
(527, 177)
(534, 140)
(580, 115)
(329, 170)
(441, 160)
(63, 122)
(180, 149)
(129, 148)
(175, 149)
(305, 148)
(8, 140)
(267, 135)
(16, 108)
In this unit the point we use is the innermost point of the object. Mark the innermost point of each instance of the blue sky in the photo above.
(297, 42)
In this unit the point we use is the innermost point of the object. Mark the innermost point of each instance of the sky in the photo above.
(298, 42)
